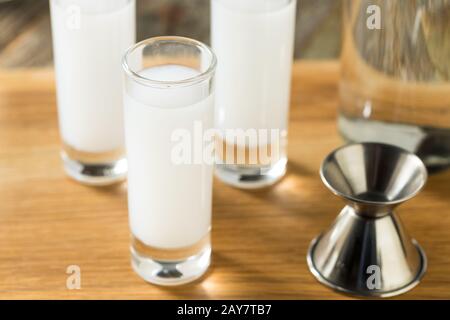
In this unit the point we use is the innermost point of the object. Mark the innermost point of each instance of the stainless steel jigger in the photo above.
(367, 252)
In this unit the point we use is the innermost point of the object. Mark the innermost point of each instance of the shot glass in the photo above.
(254, 42)
(168, 105)
(89, 39)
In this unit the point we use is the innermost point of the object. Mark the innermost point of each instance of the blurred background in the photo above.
(25, 36)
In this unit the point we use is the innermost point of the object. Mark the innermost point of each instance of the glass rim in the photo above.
(202, 76)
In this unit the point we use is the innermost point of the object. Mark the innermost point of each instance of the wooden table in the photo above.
(260, 239)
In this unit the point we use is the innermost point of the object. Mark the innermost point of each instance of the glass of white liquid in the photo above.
(253, 41)
(89, 39)
(168, 96)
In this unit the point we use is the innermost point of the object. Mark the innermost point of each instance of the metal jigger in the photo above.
(367, 252)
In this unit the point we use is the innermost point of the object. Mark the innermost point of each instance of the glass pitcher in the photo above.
(395, 78)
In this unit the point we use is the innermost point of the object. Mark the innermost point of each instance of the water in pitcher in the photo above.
(395, 83)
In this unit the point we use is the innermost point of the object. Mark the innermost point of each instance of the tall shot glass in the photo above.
(89, 39)
(254, 41)
(168, 96)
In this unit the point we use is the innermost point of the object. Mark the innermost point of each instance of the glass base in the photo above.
(430, 144)
(247, 177)
(95, 174)
(170, 267)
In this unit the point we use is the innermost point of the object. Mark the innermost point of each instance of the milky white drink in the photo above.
(89, 40)
(169, 203)
(253, 41)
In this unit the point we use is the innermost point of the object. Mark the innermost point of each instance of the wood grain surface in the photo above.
(260, 239)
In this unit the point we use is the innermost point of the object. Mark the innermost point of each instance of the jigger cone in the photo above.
(367, 252)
